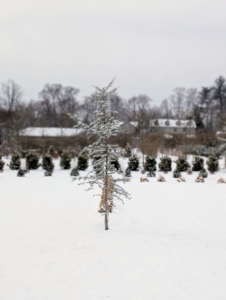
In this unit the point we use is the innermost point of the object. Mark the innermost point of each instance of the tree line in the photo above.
(206, 106)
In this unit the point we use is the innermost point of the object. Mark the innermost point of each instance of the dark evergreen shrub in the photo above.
(82, 162)
(197, 164)
(203, 173)
(1, 164)
(133, 164)
(32, 161)
(21, 173)
(15, 162)
(127, 152)
(74, 172)
(165, 164)
(182, 164)
(65, 161)
(114, 162)
(150, 164)
(47, 163)
(128, 172)
(212, 164)
(176, 173)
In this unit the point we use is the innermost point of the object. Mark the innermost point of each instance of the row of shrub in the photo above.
(165, 165)
(32, 162)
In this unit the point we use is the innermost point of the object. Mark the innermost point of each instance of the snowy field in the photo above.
(168, 242)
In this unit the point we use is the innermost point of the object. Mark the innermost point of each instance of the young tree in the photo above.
(103, 127)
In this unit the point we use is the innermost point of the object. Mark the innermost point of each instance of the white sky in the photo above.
(150, 46)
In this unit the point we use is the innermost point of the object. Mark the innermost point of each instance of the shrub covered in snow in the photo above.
(82, 162)
(182, 164)
(221, 180)
(133, 163)
(32, 161)
(65, 161)
(199, 179)
(15, 162)
(212, 164)
(197, 164)
(161, 178)
(181, 179)
(165, 164)
(144, 179)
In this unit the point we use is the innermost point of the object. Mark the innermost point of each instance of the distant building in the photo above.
(49, 132)
(169, 126)
(36, 137)
(128, 127)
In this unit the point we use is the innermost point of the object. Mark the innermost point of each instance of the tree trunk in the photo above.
(106, 192)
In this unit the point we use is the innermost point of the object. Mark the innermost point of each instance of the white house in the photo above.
(128, 127)
(170, 126)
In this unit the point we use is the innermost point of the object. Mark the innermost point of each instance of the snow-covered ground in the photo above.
(168, 242)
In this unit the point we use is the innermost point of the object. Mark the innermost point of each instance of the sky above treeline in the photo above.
(150, 46)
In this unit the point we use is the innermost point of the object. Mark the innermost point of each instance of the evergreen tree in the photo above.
(65, 161)
(133, 163)
(165, 164)
(82, 162)
(197, 164)
(150, 166)
(127, 152)
(115, 163)
(182, 164)
(104, 127)
(32, 161)
(212, 164)
(15, 162)
(1, 164)
(47, 164)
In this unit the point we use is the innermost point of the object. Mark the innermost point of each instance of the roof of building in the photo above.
(173, 123)
(135, 124)
(49, 131)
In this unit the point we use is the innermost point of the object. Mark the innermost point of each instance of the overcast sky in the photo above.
(150, 46)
